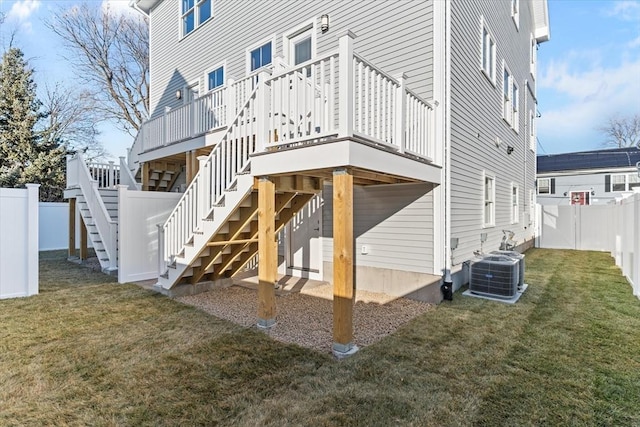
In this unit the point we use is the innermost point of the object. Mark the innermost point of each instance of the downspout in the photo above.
(447, 286)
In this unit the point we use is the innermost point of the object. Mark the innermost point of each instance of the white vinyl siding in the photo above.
(387, 35)
(395, 222)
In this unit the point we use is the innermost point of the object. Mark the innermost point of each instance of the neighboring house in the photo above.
(390, 139)
(587, 178)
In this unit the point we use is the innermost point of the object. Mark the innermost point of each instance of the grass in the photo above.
(87, 351)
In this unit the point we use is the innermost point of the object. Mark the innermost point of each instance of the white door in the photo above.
(305, 243)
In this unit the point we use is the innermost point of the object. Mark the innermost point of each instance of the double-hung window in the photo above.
(618, 183)
(515, 122)
(515, 12)
(194, 13)
(532, 130)
(260, 57)
(215, 78)
(515, 206)
(510, 99)
(533, 56)
(546, 185)
(488, 54)
(489, 191)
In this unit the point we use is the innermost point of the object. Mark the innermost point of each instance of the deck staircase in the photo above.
(94, 186)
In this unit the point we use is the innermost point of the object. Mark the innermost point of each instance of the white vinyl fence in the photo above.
(19, 241)
(611, 228)
(54, 226)
(140, 213)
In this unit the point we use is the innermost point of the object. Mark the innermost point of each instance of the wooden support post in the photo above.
(343, 279)
(267, 253)
(195, 163)
(72, 228)
(189, 167)
(145, 175)
(84, 251)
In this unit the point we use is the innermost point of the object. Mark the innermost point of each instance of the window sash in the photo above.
(261, 56)
(544, 186)
(215, 78)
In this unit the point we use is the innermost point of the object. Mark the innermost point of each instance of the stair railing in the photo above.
(126, 176)
(106, 227)
(245, 135)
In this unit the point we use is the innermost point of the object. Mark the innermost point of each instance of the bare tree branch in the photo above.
(110, 53)
(622, 131)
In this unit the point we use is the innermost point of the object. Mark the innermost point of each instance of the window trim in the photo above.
(515, 12)
(532, 131)
(297, 33)
(515, 106)
(507, 98)
(186, 90)
(515, 207)
(222, 65)
(533, 56)
(196, 17)
(488, 222)
(271, 39)
(491, 73)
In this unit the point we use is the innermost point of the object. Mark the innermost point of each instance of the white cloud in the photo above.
(627, 10)
(587, 96)
(23, 9)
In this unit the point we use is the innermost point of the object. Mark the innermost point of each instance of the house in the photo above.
(587, 178)
(372, 144)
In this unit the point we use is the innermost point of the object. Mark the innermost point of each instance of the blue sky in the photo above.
(588, 71)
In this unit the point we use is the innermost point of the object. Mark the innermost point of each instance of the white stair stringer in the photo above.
(220, 218)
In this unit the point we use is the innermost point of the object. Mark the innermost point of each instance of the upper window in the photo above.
(488, 54)
(533, 55)
(624, 182)
(532, 131)
(488, 214)
(515, 206)
(510, 97)
(260, 57)
(515, 12)
(194, 14)
(215, 78)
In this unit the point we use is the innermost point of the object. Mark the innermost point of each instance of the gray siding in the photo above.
(395, 35)
(394, 221)
(476, 121)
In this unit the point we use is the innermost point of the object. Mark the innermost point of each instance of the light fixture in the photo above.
(565, 194)
(178, 94)
(324, 23)
(509, 149)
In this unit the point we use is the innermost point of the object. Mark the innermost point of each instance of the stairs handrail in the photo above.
(106, 227)
(214, 176)
(126, 177)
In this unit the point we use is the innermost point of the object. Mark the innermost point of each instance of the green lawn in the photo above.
(87, 351)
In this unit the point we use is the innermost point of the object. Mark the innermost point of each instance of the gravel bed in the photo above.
(306, 318)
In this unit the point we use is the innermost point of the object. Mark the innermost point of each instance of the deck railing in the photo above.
(337, 94)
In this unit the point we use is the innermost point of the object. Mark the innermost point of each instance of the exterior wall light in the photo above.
(509, 149)
(178, 94)
(324, 23)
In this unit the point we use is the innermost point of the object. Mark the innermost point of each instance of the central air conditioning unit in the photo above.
(518, 256)
(495, 276)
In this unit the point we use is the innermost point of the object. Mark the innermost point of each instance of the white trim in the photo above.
(248, 50)
(299, 33)
(205, 80)
(553, 174)
(533, 56)
(186, 91)
(538, 185)
(514, 5)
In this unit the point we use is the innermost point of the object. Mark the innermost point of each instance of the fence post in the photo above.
(111, 175)
(161, 259)
(347, 89)
(33, 209)
(401, 113)
(165, 128)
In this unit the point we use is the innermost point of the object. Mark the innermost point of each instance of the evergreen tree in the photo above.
(27, 154)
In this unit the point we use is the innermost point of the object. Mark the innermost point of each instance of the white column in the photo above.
(346, 93)
(262, 111)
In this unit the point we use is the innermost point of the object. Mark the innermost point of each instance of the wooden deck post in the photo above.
(343, 278)
(144, 166)
(188, 168)
(267, 253)
(84, 251)
(72, 228)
